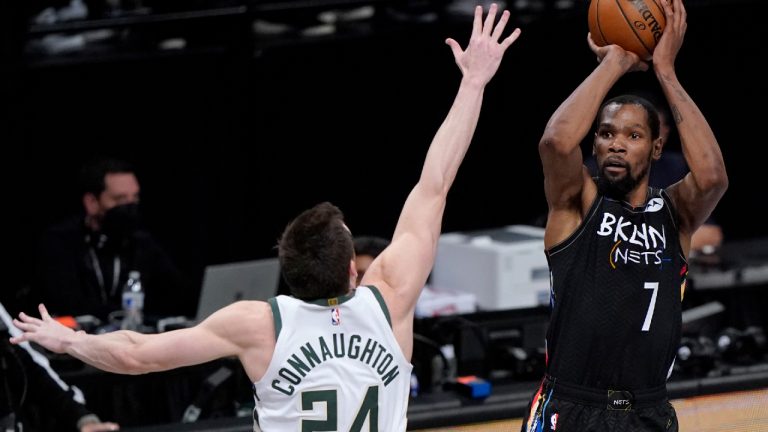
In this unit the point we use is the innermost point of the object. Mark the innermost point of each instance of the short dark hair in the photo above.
(95, 171)
(658, 101)
(370, 245)
(651, 111)
(315, 251)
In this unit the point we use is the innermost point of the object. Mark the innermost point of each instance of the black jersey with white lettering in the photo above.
(616, 292)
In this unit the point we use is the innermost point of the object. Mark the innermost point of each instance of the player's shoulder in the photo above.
(243, 312)
(251, 306)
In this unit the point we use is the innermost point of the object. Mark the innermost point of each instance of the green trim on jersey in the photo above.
(384, 308)
(276, 316)
(333, 301)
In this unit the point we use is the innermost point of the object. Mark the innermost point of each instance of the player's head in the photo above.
(626, 142)
(317, 254)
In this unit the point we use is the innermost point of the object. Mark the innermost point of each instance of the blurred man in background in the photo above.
(83, 262)
(367, 248)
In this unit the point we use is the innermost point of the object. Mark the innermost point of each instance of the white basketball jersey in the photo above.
(336, 367)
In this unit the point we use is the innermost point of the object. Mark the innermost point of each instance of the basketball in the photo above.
(635, 25)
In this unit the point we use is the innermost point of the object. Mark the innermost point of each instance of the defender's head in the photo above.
(316, 254)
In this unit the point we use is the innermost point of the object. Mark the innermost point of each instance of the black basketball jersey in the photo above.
(616, 296)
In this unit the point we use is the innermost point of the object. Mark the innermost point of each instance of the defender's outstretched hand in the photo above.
(484, 52)
(44, 331)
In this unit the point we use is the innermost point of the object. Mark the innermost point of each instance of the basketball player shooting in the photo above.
(617, 249)
(334, 356)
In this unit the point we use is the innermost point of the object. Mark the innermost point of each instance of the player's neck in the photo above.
(638, 197)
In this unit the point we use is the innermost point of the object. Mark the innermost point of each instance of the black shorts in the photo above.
(558, 407)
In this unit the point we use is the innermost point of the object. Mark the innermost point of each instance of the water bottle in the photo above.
(133, 302)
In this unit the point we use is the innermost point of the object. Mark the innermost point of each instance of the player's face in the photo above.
(623, 147)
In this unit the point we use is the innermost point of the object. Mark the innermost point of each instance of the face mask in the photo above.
(120, 221)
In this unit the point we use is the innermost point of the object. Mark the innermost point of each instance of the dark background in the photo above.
(237, 133)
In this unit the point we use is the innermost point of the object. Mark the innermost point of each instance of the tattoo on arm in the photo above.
(676, 114)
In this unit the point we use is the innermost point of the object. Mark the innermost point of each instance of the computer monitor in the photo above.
(224, 284)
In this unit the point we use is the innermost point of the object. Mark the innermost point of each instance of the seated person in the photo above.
(83, 262)
(367, 248)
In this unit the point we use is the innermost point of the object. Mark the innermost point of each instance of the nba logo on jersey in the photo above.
(335, 316)
(553, 421)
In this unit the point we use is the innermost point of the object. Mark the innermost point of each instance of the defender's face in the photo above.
(623, 146)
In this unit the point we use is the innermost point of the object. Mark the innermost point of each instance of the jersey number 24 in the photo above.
(369, 408)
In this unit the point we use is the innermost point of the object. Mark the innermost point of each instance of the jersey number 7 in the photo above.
(649, 315)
